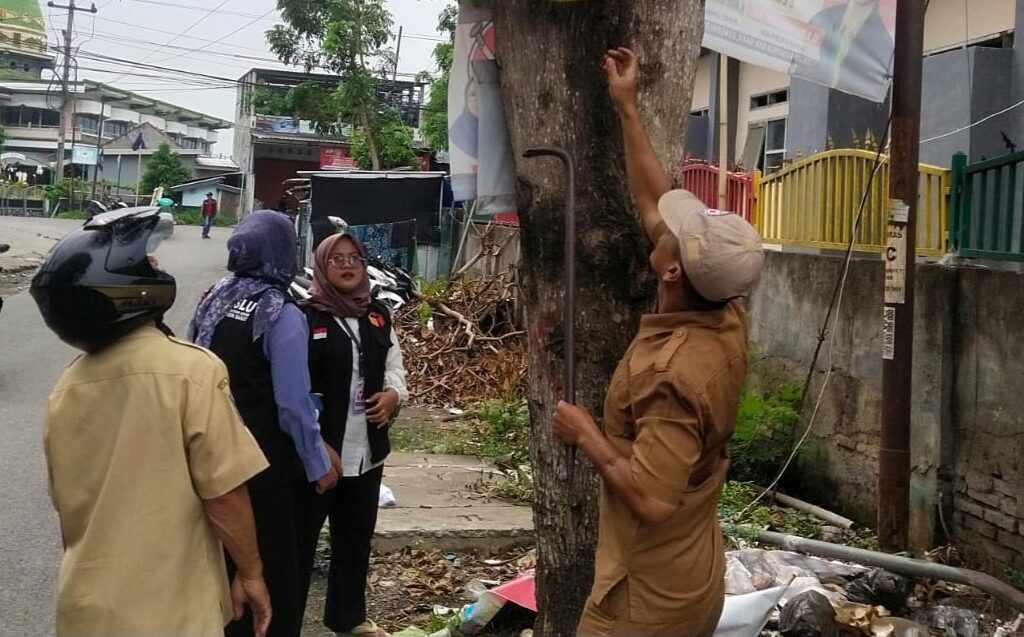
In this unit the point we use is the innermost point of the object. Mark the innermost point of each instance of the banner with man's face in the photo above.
(844, 44)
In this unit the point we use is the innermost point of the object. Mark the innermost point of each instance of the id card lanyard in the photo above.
(359, 404)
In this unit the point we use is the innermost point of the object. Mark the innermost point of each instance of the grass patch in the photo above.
(456, 437)
(78, 215)
(734, 507)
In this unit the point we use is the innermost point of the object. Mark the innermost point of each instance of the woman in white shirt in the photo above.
(355, 364)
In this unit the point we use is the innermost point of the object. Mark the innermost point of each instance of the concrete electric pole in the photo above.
(66, 110)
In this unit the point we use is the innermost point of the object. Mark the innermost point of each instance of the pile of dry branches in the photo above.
(461, 343)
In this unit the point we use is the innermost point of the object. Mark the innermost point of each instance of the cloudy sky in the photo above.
(218, 38)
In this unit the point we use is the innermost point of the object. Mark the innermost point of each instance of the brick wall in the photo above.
(967, 442)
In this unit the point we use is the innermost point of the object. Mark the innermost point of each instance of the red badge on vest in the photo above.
(319, 333)
(376, 320)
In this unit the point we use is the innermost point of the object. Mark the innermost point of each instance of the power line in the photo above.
(188, 28)
(192, 7)
(222, 38)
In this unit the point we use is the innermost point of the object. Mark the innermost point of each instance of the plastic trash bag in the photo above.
(949, 620)
(738, 580)
(809, 614)
(880, 588)
(386, 498)
(746, 615)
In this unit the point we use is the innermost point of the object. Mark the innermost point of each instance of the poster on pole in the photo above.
(843, 44)
(480, 151)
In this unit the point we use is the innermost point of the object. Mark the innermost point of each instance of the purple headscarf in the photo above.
(327, 298)
(262, 258)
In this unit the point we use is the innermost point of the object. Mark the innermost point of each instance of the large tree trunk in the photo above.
(555, 93)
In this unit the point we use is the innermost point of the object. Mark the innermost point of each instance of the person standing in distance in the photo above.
(209, 213)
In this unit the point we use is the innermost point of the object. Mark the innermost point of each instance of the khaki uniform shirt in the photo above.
(671, 410)
(136, 437)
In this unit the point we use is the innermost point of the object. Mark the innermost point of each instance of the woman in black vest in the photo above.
(355, 364)
(248, 320)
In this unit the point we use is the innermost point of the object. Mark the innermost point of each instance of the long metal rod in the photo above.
(898, 317)
(569, 318)
(906, 566)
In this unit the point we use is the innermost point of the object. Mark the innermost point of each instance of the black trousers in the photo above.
(276, 535)
(351, 508)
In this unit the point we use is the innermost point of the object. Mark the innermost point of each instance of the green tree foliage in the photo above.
(165, 169)
(394, 144)
(3, 136)
(435, 119)
(346, 37)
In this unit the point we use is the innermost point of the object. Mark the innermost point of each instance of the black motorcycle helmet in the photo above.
(97, 283)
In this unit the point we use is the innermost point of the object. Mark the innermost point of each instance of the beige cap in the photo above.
(721, 253)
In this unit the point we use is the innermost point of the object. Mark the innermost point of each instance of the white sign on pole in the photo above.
(843, 44)
(895, 256)
(84, 155)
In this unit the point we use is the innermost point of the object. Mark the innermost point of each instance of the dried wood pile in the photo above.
(461, 343)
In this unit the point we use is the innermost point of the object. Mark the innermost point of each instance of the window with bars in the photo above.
(29, 117)
(114, 128)
(770, 98)
(87, 123)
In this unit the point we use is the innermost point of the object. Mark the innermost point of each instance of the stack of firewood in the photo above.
(461, 342)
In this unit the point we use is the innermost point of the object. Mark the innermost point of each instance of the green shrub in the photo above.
(765, 426)
(504, 429)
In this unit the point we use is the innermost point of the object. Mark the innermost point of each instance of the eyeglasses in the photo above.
(342, 260)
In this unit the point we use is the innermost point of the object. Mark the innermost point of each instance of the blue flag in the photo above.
(139, 143)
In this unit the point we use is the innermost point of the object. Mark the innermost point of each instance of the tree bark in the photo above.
(555, 93)
(371, 139)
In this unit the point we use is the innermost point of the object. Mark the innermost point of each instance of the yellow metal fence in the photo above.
(814, 203)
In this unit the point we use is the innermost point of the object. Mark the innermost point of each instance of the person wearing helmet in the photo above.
(146, 455)
(249, 320)
(671, 407)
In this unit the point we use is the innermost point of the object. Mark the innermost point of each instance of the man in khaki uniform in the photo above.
(147, 456)
(670, 409)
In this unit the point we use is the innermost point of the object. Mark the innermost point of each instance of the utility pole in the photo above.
(900, 258)
(65, 80)
(398, 54)
(99, 145)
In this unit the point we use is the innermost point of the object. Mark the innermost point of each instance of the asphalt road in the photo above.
(31, 360)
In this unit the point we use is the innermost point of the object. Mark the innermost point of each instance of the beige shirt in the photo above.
(136, 437)
(671, 410)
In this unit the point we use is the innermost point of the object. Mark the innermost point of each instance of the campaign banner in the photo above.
(843, 44)
(480, 152)
(336, 159)
(275, 124)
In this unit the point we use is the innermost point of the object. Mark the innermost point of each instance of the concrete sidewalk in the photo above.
(438, 507)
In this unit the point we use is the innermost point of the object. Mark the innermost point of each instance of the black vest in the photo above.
(252, 387)
(330, 371)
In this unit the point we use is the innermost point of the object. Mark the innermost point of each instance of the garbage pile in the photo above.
(461, 343)
(821, 598)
